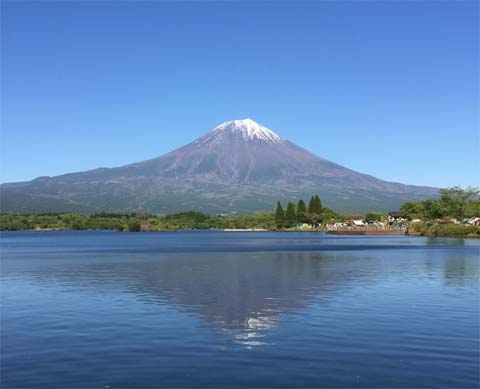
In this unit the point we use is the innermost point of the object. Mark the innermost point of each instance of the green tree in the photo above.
(413, 210)
(279, 215)
(456, 199)
(311, 205)
(290, 214)
(455, 202)
(472, 209)
(318, 204)
(373, 216)
(315, 205)
(301, 207)
(301, 211)
(434, 209)
(329, 215)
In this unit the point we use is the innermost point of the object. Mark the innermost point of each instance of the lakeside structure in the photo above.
(394, 223)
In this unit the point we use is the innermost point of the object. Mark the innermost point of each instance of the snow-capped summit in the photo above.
(250, 130)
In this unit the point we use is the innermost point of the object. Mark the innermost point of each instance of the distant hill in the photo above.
(240, 166)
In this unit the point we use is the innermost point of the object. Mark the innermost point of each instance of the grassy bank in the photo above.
(135, 222)
(449, 229)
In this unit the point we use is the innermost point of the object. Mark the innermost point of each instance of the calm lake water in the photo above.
(217, 309)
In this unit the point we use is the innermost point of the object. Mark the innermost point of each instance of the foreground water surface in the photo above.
(216, 309)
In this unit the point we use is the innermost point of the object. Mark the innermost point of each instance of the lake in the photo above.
(239, 309)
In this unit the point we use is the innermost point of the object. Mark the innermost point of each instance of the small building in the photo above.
(394, 216)
(397, 219)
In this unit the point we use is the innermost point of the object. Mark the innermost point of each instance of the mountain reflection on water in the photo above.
(232, 292)
(242, 293)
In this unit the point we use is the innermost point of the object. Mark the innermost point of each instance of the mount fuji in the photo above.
(240, 166)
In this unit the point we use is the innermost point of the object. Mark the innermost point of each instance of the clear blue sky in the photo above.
(385, 88)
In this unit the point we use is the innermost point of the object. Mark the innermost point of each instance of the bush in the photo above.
(133, 225)
(450, 229)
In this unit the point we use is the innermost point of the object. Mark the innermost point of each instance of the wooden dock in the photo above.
(367, 230)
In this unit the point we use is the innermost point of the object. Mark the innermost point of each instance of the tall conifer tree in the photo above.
(301, 208)
(290, 214)
(318, 204)
(279, 215)
(311, 205)
(301, 211)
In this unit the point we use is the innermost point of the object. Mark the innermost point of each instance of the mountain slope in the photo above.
(239, 166)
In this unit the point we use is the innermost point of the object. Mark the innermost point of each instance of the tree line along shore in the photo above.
(449, 215)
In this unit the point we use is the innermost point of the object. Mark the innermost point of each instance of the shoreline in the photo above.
(232, 230)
